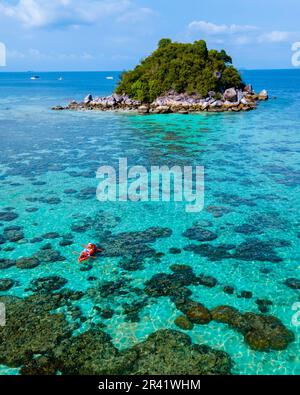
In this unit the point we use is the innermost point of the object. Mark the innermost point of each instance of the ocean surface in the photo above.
(48, 164)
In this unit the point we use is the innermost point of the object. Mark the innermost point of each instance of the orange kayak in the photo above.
(84, 256)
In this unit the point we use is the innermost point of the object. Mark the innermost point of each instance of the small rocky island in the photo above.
(178, 78)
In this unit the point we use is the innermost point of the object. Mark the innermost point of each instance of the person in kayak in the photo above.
(89, 251)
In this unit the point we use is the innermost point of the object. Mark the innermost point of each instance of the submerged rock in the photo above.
(49, 255)
(30, 329)
(213, 253)
(65, 242)
(27, 263)
(163, 284)
(36, 240)
(247, 229)
(245, 295)
(107, 289)
(218, 211)
(13, 233)
(261, 332)
(133, 244)
(174, 250)
(6, 284)
(207, 281)
(257, 250)
(130, 264)
(184, 323)
(92, 353)
(197, 313)
(8, 216)
(199, 234)
(263, 305)
(47, 284)
(40, 366)
(228, 289)
(266, 332)
(51, 235)
(6, 263)
(293, 283)
(132, 310)
(171, 352)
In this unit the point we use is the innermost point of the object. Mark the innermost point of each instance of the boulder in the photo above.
(230, 95)
(263, 95)
(164, 109)
(240, 95)
(88, 99)
(143, 109)
(217, 103)
(249, 89)
(58, 108)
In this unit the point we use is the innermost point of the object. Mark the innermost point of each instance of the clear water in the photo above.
(252, 168)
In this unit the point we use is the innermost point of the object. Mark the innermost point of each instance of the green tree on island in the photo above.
(189, 68)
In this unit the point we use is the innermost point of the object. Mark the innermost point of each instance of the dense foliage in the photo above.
(186, 68)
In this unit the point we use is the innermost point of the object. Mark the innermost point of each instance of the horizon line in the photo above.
(119, 71)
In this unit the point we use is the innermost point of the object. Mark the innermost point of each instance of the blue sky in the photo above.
(116, 34)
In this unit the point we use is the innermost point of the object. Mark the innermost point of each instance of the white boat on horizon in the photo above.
(109, 78)
(35, 77)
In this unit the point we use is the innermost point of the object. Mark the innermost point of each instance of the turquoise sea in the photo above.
(252, 175)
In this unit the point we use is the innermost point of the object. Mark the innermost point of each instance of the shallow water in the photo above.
(252, 175)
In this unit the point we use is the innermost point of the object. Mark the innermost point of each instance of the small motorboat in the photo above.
(109, 78)
(35, 77)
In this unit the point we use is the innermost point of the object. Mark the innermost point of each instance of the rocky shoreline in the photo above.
(232, 99)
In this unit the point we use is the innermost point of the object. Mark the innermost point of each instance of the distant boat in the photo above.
(109, 78)
(34, 77)
(60, 79)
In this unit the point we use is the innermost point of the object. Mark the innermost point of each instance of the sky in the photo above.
(75, 35)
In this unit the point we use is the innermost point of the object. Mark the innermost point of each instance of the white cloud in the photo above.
(239, 34)
(36, 54)
(41, 13)
(213, 29)
(275, 36)
(134, 16)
